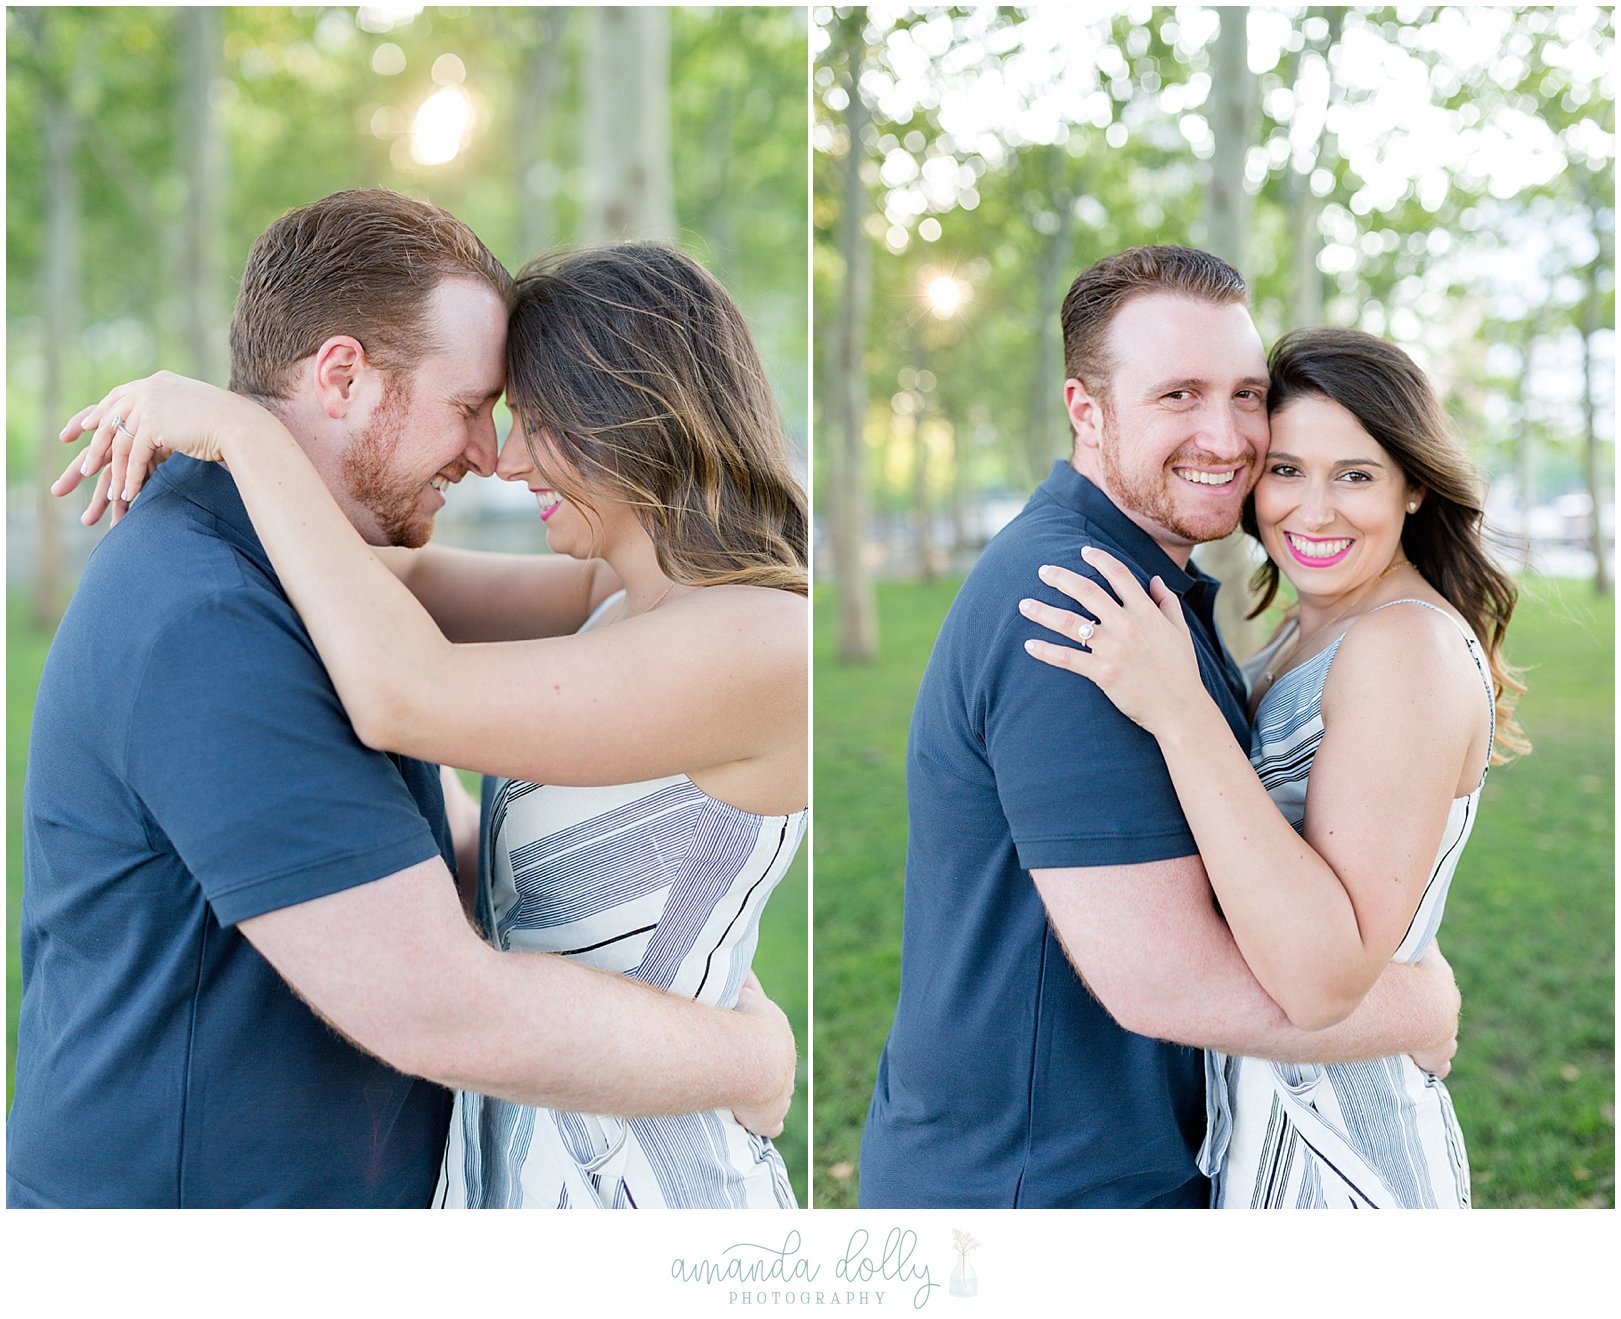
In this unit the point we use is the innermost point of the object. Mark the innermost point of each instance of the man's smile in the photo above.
(1207, 476)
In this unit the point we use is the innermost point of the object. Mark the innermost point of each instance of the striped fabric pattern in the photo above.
(1367, 1135)
(654, 880)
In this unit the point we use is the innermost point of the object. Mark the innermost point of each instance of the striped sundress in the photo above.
(654, 880)
(1365, 1135)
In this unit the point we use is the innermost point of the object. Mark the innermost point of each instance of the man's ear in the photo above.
(340, 369)
(1085, 414)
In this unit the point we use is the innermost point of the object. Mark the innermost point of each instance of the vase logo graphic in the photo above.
(964, 1281)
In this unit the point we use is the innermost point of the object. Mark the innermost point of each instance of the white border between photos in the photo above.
(823, 1262)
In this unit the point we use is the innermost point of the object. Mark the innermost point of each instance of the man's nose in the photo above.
(481, 449)
(1223, 434)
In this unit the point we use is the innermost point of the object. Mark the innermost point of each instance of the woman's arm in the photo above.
(659, 694)
(472, 595)
(1316, 918)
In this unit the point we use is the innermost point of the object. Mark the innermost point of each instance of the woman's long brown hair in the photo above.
(639, 367)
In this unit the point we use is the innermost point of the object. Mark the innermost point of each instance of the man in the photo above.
(218, 872)
(1044, 827)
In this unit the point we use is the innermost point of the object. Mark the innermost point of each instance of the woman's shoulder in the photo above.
(771, 625)
(1426, 620)
(1415, 645)
(754, 604)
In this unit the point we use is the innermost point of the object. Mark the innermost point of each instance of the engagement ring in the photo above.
(1084, 632)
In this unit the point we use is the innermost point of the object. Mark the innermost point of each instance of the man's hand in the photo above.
(1436, 1059)
(765, 1118)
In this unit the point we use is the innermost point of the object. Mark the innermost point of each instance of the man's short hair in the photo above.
(362, 263)
(1099, 293)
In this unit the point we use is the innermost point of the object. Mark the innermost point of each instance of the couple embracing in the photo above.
(1170, 926)
(248, 976)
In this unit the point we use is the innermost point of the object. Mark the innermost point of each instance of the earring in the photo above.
(1412, 505)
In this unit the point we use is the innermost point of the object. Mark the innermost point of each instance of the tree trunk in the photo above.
(922, 503)
(201, 142)
(960, 538)
(59, 300)
(1525, 449)
(846, 454)
(1305, 206)
(1592, 324)
(1227, 218)
(627, 130)
(1306, 242)
(1048, 435)
(535, 148)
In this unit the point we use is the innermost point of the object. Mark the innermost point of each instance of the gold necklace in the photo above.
(1271, 675)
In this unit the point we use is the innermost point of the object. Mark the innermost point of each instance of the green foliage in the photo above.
(306, 112)
(1108, 147)
(1529, 927)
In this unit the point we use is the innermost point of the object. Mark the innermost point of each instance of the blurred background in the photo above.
(1440, 176)
(147, 148)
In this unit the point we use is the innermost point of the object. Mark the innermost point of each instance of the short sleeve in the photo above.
(1080, 784)
(243, 758)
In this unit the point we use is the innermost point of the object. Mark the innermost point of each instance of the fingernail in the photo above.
(1030, 647)
(84, 467)
(1026, 606)
(1045, 572)
(1086, 552)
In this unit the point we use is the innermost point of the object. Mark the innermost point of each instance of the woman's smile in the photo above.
(550, 501)
(1316, 552)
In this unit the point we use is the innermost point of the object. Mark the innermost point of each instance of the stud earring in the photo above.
(1412, 506)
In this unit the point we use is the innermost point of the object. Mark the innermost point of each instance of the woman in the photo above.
(651, 768)
(1377, 708)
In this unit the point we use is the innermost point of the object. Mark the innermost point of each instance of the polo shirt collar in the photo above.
(211, 488)
(1068, 487)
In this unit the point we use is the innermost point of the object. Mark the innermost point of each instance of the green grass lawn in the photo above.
(781, 960)
(1529, 930)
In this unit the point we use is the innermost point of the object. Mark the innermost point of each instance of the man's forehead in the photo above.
(471, 330)
(1154, 328)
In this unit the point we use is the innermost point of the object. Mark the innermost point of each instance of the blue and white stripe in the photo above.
(657, 881)
(1379, 1134)
(653, 880)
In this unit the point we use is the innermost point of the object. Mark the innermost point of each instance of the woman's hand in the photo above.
(139, 424)
(1138, 651)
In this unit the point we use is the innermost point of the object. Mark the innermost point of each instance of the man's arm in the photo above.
(421, 991)
(475, 595)
(1149, 944)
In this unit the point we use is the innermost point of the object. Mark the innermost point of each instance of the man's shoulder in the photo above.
(977, 638)
(1045, 531)
(169, 579)
(175, 554)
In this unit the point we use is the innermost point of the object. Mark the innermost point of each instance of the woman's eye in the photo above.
(1282, 469)
(1355, 478)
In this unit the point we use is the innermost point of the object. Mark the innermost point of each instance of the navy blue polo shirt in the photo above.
(190, 767)
(1004, 1082)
